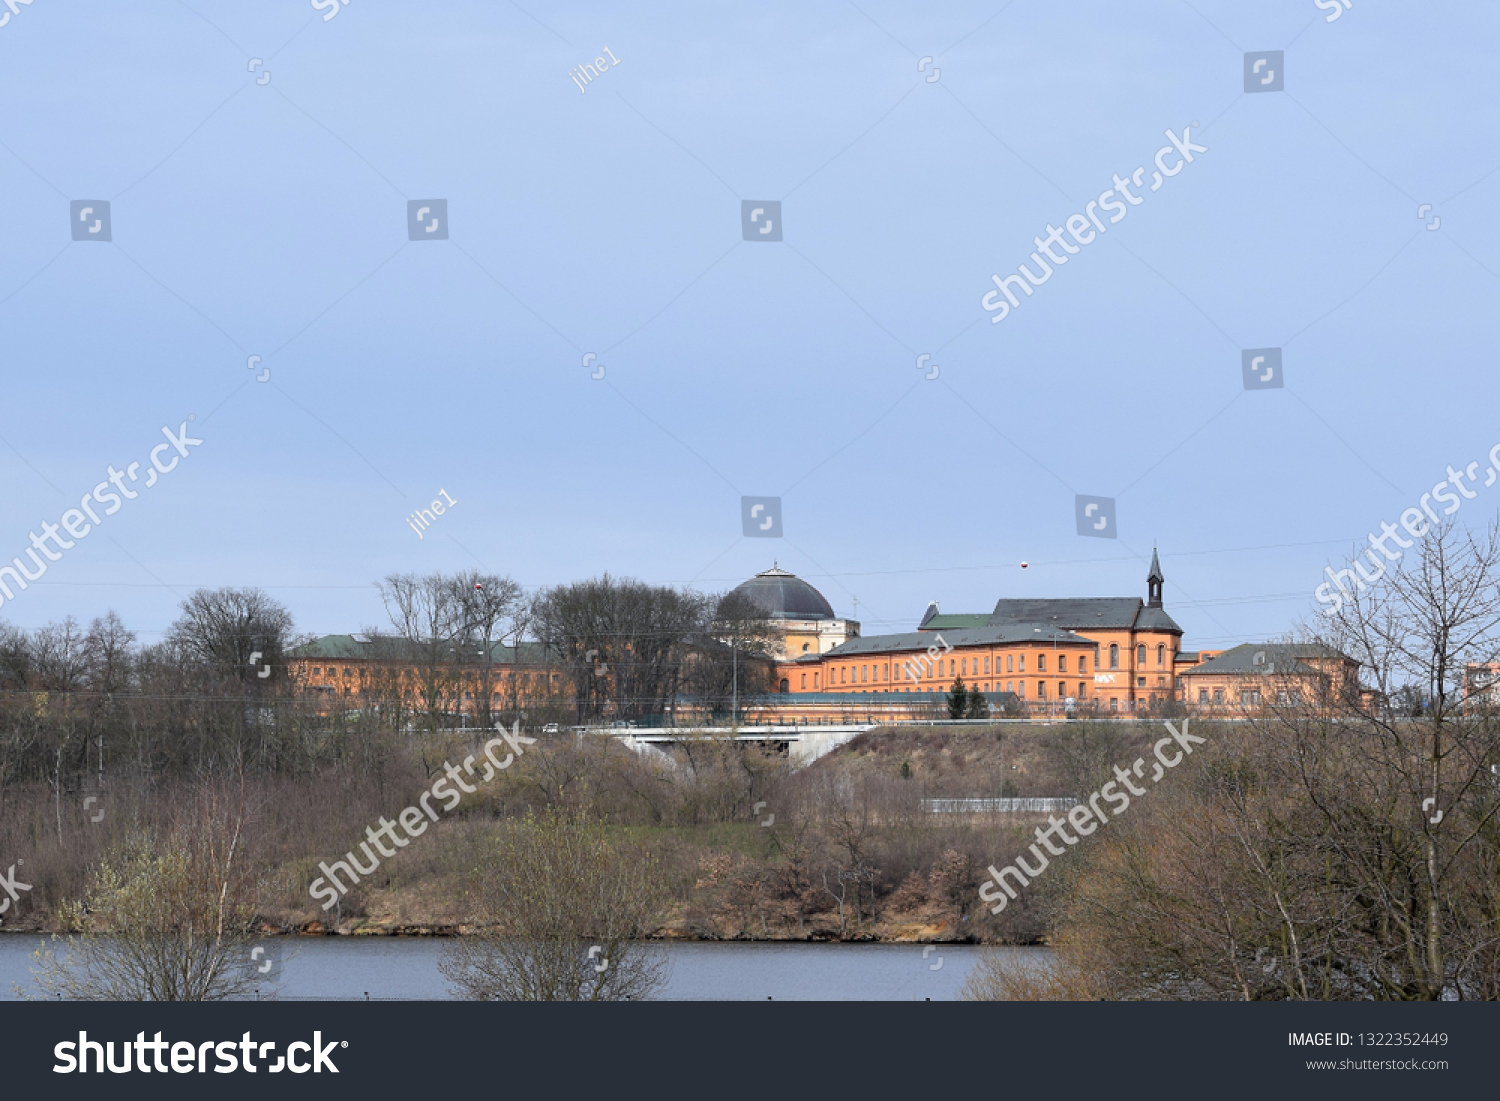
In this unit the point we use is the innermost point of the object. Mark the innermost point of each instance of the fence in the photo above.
(997, 806)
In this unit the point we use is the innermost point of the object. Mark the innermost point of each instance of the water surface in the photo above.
(400, 967)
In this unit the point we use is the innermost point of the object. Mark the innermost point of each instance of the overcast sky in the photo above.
(271, 219)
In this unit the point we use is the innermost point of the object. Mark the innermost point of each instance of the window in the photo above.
(1244, 697)
(346, 691)
(1041, 663)
(815, 680)
(986, 666)
(1203, 695)
(952, 668)
(1140, 682)
(805, 647)
(1009, 687)
(317, 672)
(1255, 695)
(863, 670)
(785, 687)
(886, 671)
(1114, 658)
(1062, 690)
(1010, 662)
(1114, 704)
(1140, 655)
(1161, 654)
(804, 680)
(1023, 663)
(1062, 663)
(1081, 686)
(1041, 690)
(843, 675)
(348, 672)
(966, 666)
(1218, 695)
(1022, 686)
(1083, 663)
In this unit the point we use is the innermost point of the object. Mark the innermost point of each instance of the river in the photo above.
(407, 968)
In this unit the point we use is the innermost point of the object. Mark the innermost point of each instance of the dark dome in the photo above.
(786, 596)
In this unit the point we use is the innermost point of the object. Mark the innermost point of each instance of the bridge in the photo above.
(804, 744)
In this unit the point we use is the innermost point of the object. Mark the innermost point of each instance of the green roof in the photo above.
(366, 647)
(955, 622)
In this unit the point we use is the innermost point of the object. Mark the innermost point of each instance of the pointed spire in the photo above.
(1154, 581)
(1155, 574)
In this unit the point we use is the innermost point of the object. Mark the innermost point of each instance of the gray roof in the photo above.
(1156, 619)
(1121, 613)
(786, 596)
(1275, 658)
(1008, 634)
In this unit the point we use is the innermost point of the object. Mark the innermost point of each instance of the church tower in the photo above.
(1154, 581)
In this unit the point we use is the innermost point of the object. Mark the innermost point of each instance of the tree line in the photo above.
(214, 695)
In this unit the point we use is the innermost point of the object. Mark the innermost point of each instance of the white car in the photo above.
(551, 728)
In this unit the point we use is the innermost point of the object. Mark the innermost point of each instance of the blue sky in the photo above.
(270, 219)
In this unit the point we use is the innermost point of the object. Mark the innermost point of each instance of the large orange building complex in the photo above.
(1077, 655)
(1109, 654)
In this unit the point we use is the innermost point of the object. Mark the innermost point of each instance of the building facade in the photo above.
(1097, 654)
(1105, 656)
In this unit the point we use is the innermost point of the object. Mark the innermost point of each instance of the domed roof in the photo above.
(786, 596)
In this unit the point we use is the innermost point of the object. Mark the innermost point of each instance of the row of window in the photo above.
(865, 674)
(525, 678)
(1250, 696)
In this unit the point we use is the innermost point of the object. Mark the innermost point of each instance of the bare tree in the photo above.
(1340, 847)
(168, 917)
(567, 908)
(222, 628)
(428, 622)
(625, 641)
(491, 610)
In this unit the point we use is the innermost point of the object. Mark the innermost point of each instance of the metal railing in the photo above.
(998, 806)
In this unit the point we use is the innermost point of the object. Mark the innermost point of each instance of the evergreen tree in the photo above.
(978, 706)
(958, 699)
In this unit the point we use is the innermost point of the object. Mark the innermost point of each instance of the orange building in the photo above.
(1105, 654)
(365, 669)
(1268, 674)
